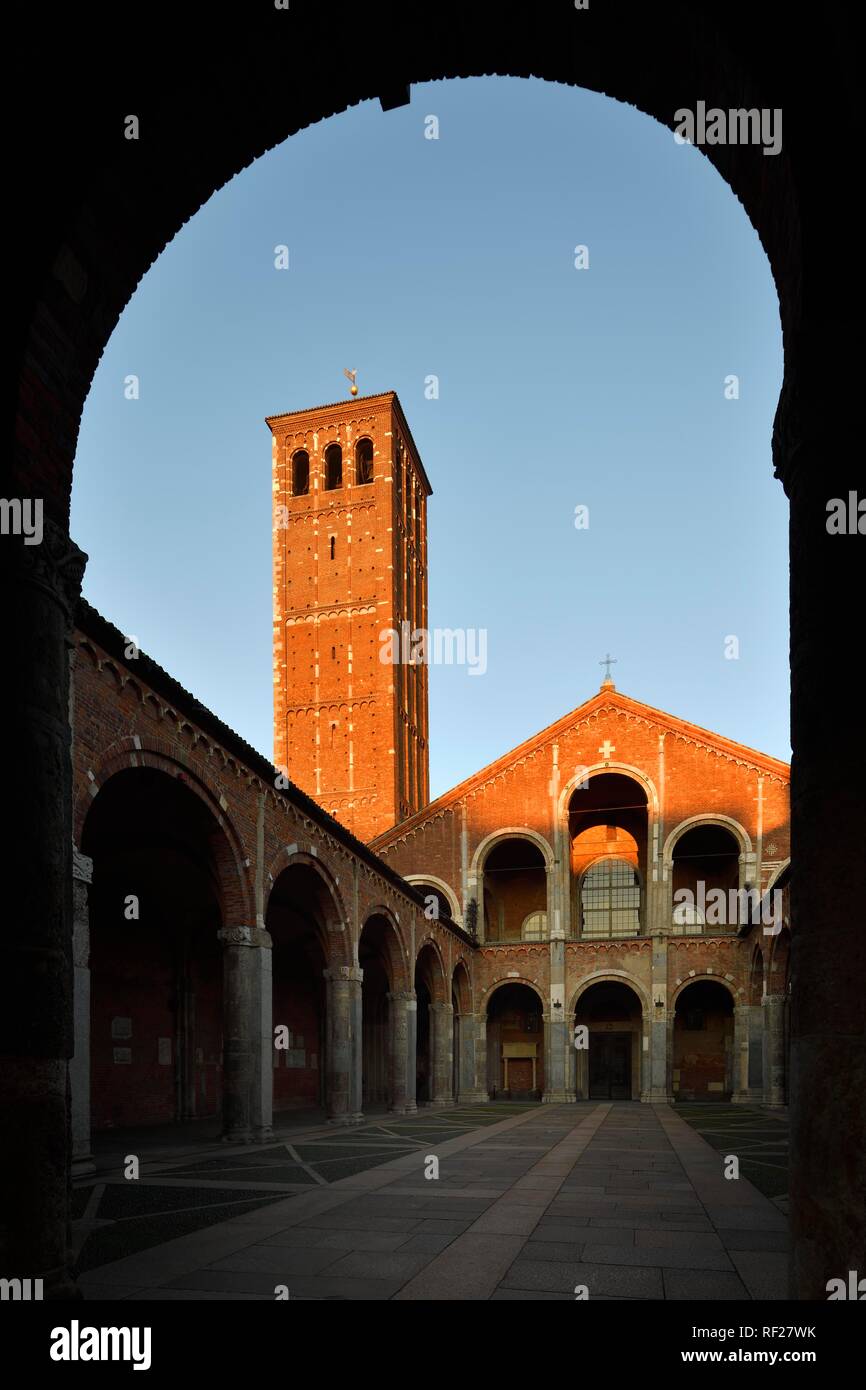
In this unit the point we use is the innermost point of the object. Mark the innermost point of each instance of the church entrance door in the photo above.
(610, 1066)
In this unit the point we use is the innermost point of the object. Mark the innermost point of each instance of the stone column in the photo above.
(79, 1065)
(243, 983)
(556, 1040)
(756, 1053)
(442, 1052)
(344, 1034)
(262, 1000)
(403, 1008)
(775, 1079)
(473, 1047)
(658, 1028)
(41, 585)
(740, 1094)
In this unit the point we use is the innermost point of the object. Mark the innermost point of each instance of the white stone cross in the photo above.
(606, 749)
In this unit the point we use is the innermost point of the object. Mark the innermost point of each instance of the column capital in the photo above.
(343, 973)
(82, 865)
(245, 936)
(404, 996)
(55, 565)
(441, 1008)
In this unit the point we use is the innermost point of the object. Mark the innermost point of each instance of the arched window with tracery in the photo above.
(535, 927)
(610, 900)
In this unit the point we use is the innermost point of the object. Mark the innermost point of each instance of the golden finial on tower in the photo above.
(351, 376)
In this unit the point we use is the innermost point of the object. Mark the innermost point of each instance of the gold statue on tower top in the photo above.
(351, 376)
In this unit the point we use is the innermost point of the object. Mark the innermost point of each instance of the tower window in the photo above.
(333, 545)
(333, 467)
(364, 461)
(300, 473)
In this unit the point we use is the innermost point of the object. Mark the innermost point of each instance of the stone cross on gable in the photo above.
(608, 662)
(606, 749)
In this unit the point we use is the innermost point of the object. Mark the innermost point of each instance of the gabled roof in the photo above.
(607, 698)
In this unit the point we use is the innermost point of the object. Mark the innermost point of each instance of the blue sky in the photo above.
(559, 387)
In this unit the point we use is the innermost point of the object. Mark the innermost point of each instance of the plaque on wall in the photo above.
(121, 1027)
(164, 1051)
(123, 1054)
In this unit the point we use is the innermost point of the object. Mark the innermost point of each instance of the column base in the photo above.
(658, 1098)
(556, 1098)
(745, 1098)
(263, 1134)
(83, 1166)
(406, 1109)
(241, 1136)
(343, 1121)
(473, 1098)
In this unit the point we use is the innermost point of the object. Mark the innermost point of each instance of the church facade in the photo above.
(599, 914)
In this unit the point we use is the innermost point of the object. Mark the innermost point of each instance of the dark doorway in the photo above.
(610, 1066)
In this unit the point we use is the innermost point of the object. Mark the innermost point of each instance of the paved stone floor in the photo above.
(626, 1201)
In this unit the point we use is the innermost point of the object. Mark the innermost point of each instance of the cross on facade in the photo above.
(608, 662)
(606, 749)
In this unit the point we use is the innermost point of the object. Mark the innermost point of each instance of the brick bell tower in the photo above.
(350, 560)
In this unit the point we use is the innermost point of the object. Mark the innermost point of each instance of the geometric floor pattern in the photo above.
(119, 1217)
(759, 1140)
(604, 1201)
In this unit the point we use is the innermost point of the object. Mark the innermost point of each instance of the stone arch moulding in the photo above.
(126, 756)
(739, 832)
(398, 951)
(512, 832)
(617, 977)
(626, 770)
(448, 892)
(488, 992)
(443, 977)
(736, 992)
(776, 875)
(338, 929)
(462, 970)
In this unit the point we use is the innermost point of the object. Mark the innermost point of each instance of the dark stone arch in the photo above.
(90, 225)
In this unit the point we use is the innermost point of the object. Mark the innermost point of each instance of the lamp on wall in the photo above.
(660, 1003)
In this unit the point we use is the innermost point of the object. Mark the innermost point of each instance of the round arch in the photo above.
(511, 832)
(444, 889)
(394, 951)
(735, 991)
(439, 977)
(488, 993)
(617, 977)
(599, 769)
(230, 853)
(338, 944)
(739, 832)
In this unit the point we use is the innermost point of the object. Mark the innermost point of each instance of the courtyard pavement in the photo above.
(622, 1200)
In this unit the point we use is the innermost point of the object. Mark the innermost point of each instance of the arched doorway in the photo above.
(608, 1022)
(296, 916)
(156, 968)
(515, 1044)
(703, 1044)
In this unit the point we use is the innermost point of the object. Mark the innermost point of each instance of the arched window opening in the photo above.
(333, 467)
(608, 821)
(705, 876)
(610, 900)
(515, 887)
(333, 545)
(364, 461)
(300, 473)
(535, 927)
